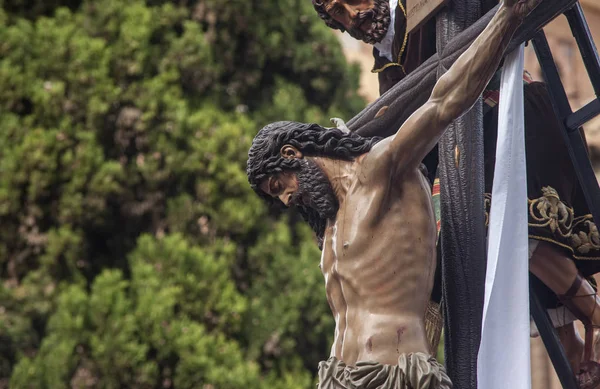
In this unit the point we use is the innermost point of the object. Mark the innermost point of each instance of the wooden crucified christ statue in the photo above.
(370, 205)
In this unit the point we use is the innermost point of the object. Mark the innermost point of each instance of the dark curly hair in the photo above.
(264, 158)
(378, 16)
(329, 21)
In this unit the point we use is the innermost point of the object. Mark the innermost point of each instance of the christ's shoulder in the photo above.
(375, 165)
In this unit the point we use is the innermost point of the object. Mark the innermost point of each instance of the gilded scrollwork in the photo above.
(580, 234)
(549, 211)
(587, 237)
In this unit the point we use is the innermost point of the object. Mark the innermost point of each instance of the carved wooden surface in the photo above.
(420, 11)
(463, 225)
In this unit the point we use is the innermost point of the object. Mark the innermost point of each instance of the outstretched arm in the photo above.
(457, 90)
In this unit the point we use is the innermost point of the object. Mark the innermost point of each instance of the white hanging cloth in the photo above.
(503, 359)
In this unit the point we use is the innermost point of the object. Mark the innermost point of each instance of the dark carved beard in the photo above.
(314, 198)
(378, 16)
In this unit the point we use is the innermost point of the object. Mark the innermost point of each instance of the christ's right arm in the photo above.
(454, 93)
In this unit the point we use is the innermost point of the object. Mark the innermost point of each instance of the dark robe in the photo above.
(558, 212)
(408, 50)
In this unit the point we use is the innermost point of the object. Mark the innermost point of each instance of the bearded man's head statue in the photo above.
(314, 197)
(369, 25)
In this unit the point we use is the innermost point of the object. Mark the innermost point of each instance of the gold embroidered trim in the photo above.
(578, 257)
(387, 65)
(549, 211)
(587, 238)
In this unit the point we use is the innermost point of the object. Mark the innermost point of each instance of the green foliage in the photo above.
(132, 251)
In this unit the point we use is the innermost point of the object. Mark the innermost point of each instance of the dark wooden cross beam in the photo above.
(462, 235)
(464, 316)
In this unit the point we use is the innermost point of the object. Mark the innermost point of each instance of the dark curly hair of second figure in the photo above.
(265, 160)
(378, 16)
(329, 21)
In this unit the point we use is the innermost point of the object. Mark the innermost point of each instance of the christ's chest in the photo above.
(342, 248)
(349, 238)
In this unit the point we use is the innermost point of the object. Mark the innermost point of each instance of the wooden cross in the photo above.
(420, 11)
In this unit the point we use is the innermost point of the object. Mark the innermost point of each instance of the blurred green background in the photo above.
(133, 253)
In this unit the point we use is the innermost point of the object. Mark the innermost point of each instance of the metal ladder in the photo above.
(571, 123)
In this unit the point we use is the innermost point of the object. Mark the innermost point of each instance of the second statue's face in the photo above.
(366, 20)
(347, 12)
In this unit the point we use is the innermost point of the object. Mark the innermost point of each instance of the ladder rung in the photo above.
(583, 115)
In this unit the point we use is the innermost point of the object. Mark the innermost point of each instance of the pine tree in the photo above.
(133, 253)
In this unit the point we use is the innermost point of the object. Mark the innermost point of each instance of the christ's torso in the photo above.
(379, 262)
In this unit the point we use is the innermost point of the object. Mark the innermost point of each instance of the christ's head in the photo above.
(280, 168)
(366, 20)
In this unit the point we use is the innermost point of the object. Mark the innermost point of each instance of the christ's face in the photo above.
(283, 186)
(305, 188)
